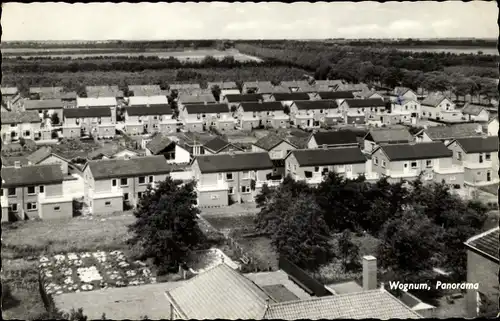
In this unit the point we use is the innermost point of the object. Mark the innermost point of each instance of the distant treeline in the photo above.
(119, 44)
(486, 43)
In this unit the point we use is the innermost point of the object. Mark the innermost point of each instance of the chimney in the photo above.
(17, 164)
(369, 273)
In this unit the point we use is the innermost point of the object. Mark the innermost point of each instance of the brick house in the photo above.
(482, 268)
(152, 119)
(24, 124)
(198, 117)
(407, 161)
(330, 139)
(97, 121)
(256, 114)
(376, 137)
(30, 192)
(235, 177)
(478, 157)
(310, 114)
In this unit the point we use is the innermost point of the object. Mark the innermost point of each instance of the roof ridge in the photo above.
(475, 237)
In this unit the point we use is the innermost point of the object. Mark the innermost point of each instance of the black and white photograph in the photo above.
(250, 160)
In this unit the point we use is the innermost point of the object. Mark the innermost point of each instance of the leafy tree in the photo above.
(54, 119)
(54, 314)
(348, 251)
(166, 227)
(303, 237)
(216, 91)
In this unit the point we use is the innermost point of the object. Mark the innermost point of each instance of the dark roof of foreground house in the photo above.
(30, 116)
(217, 144)
(315, 104)
(486, 244)
(264, 106)
(392, 135)
(414, 151)
(43, 104)
(234, 162)
(41, 154)
(270, 141)
(329, 156)
(243, 98)
(151, 110)
(365, 103)
(116, 168)
(471, 109)
(87, 112)
(31, 175)
(207, 109)
(479, 144)
(158, 143)
(109, 150)
(340, 137)
(336, 95)
(452, 131)
(291, 96)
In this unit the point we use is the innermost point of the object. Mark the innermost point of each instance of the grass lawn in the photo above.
(492, 189)
(23, 242)
(261, 249)
(231, 222)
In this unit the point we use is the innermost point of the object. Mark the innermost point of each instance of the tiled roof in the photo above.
(433, 100)
(452, 131)
(9, 90)
(400, 91)
(336, 95)
(87, 112)
(39, 155)
(216, 144)
(264, 106)
(31, 175)
(183, 86)
(315, 104)
(244, 98)
(151, 110)
(280, 89)
(158, 143)
(479, 144)
(147, 100)
(414, 151)
(116, 168)
(43, 104)
(270, 141)
(392, 135)
(341, 137)
(219, 293)
(234, 162)
(38, 90)
(223, 85)
(471, 109)
(10, 161)
(327, 83)
(96, 102)
(202, 98)
(355, 87)
(103, 91)
(363, 103)
(329, 156)
(486, 243)
(207, 109)
(145, 90)
(375, 304)
(365, 94)
(296, 83)
(71, 95)
(263, 87)
(29, 116)
(291, 96)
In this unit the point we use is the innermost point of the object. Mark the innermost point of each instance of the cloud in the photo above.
(405, 25)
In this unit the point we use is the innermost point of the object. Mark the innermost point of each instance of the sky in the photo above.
(221, 20)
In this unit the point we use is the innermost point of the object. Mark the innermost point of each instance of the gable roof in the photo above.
(234, 162)
(365, 94)
(263, 87)
(116, 168)
(340, 137)
(158, 143)
(39, 155)
(414, 151)
(391, 135)
(103, 91)
(145, 90)
(151, 110)
(433, 100)
(43, 104)
(87, 112)
(355, 87)
(452, 131)
(336, 95)
(471, 109)
(223, 85)
(206, 109)
(270, 141)
(183, 86)
(195, 99)
(263, 106)
(374, 304)
(95, 102)
(219, 293)
(29, 116)
(485, 144)
(291, 96)
(31, 175)
(39, 90)
(11, 160)
(362, 103)
(486, 243)
(217, 144)
(315, 104)
(244, 98)
(329, 156)
(400, 91)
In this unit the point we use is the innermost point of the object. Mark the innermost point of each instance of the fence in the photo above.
(304, 280)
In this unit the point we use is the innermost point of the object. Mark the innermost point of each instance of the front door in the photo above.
(488, 176)
(480, 158)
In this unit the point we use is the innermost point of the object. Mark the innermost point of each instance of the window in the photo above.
(139, 195)
(57, 208)
(151, 179)
(123, 181)
(487, 156)
(198, 116)
(13, 207)
(27, 133)
(142, 179)
(42, 189)
(229, 176)
(459, 155)
(11, 192)
(125, 196)
(414, 165)
(231, 190)
(452, 178)
(77, 121)
(321, 111)
(383, 164)
(406, 165)
(113, 182)
(1, 192)
(375, 160)
(13, 125)
(245, 189)
(245, 175)
(155, 117)
(31, 190)
(31, 206)
(107, 203)
(204, 116)
(214, 196)
(316, 169)
(428, 163)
